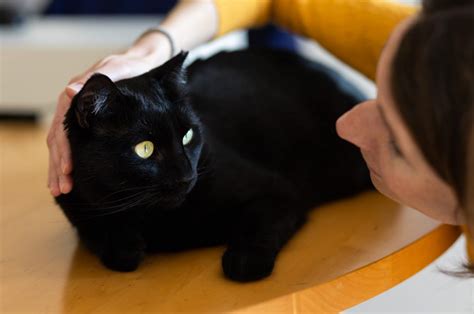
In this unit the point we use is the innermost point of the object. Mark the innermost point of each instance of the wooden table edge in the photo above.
(366, 282)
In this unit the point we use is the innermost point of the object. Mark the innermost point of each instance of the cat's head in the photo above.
(137, 135)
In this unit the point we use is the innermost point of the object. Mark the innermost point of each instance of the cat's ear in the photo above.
(172, 71)
(94, 98)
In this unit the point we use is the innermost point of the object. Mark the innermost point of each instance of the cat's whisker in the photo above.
(85, 179)
(121, 208)
(140, 188)
(99, 205)
(204, 171)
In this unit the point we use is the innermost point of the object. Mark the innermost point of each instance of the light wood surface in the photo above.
(348, 252)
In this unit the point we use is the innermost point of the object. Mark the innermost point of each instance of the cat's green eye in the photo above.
(144, 149)
(188, 137)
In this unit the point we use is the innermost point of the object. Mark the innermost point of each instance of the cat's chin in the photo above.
(172, 202)
(177, 198)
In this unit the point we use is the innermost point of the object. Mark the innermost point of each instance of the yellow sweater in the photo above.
(355, 31)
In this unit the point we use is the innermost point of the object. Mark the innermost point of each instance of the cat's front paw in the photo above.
(123, 258)
(122, 261)
(246, 265)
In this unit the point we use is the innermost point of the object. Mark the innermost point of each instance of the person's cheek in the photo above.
(403, 184)
(393, 183)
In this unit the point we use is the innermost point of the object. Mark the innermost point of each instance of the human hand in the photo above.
(135, 61)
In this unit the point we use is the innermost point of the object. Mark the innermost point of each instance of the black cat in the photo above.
(237, 155)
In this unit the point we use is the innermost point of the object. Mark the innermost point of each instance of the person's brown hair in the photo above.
(432, 82)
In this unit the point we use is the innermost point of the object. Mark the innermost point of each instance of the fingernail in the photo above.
(54, 191)
(63, 166)
(75, 88)
(62, 186)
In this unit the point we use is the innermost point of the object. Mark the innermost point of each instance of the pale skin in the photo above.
(397, 170)
(397, 167)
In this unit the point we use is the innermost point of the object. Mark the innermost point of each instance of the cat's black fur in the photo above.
(264, 152)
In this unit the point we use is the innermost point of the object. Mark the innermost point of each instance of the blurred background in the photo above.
(44, 43)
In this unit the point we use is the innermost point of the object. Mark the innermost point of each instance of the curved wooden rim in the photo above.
(366, 282)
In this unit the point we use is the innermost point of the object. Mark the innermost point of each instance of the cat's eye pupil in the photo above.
(144, 149)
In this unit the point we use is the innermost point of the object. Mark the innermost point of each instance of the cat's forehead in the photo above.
(157, 114)
(147, 107)
(148, 99)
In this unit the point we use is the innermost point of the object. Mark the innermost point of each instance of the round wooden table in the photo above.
(348, 252)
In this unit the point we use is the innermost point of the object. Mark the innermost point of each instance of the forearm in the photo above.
(190, 23)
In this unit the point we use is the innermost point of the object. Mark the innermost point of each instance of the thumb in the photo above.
(73, 89)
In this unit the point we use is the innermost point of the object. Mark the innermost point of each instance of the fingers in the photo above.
(116, 67)
(65, 183)
(76, 83)
(60, 163)
(53, 180)
(65, 160)
(72, 89)
(58, 181)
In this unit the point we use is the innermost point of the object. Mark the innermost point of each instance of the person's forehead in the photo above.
(384, 67)
(385, 96)
(391, 47)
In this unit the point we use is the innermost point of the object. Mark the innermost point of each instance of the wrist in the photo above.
(153, 47)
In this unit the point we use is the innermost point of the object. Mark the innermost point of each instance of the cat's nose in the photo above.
(186, 183)
(185, 180)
